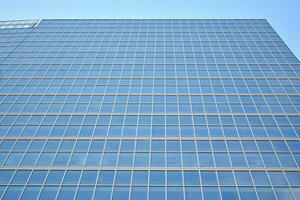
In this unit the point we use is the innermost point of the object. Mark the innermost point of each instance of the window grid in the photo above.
(148, 109)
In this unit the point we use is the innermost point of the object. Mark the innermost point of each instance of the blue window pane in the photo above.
(138, 193)
(222, 160)
(234, 146)
(211, 193)
(243, 178)
(123, 177)
(109, 159)
(141, 160)
(203, 146)
(280, 146)
(208, 178)
(5, 176)
(156, 193)
(270, 160)
(265, 193)
(264, 146)
(61, 159)
(13, 192)
(206, 160)
(174, 160)
(294, 145)
(175, 193)
(97, 145)
(296, 191)
(277, 178)
(46, 159)
(120, 193)
(283, 193)
(219, 146)
(226, 178)
(254, 160)
(55, 177)
(247, 193)
(286, 160)
(20, 177)
(140, 178)
(72, 177)
(7, 145)
(157, 177)
(188, 146)
(93, 159)
(260, 178)
(293, 178)
(157, 159)
(103, 193)
(84, 193)
(38, 177)
(106, 177)
(77, 159)
(66, 192)
(48, 192)
(112, 145)
(229, 193)
(249, 146)
(31, 192)
(157, 145)
(88, 177)
(191, 178)
(193, 193)
(174, 177)
(14, 159)
(190, 159)
(2, 189)
(173, 146)
(238, 160)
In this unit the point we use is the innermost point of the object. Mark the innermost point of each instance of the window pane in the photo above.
(84, 193)
(211, 193)
(175, 193)
(13, 192)
(193, 193)
(66, 192)
(120, 193)
(156, 193)
(103, 193)
(229, 193)
(138, 193)
(31, 192)
(49, 192)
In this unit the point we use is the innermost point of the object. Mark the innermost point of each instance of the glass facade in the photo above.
(173, 109)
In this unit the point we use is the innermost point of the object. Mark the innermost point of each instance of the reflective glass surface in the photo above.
(172, 109)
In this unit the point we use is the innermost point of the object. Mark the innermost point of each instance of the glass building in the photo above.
(148, 110)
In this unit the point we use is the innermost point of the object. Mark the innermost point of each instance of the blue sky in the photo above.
(283, 15)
